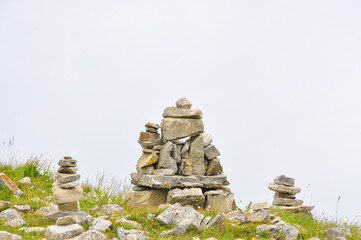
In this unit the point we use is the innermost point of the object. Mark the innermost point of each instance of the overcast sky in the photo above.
(278, 82)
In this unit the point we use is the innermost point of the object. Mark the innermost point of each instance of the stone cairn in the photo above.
(285, 191)
(181, 164)
(67, 191)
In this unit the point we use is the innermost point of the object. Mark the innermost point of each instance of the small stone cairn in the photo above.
(181, 164)
(285, 191)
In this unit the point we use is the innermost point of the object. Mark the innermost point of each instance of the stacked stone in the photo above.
(181, 164)
(68, 192)
(285, 191)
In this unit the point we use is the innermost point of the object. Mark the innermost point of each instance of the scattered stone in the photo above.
(63, 232)
(178, 215)
(184, 103)
(111, 209)
(15, 222)
(22, 208)
(9, 236)
(100, 225)
(147, 198)
(9, 214)
(180, 229)
(214, 167)
(237, 216)
(217, 220)
(32, 229)
(286, 181)
(130, 223)
(260, 206)
(262, 215)
(205, 221)
(191, 196)
(25, 180)
(131, 234)
(290, 232)
(336, 232)
(54, 215)
(90, 235)
(5, 180)
(67, 221)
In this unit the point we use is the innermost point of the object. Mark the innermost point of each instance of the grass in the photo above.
(113, 191)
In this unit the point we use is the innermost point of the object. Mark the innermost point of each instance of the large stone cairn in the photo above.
(285, 191)
(68, 192)
(181, 164)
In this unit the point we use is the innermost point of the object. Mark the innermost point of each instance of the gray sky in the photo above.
(278, 82)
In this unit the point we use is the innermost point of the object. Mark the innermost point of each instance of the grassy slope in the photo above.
(41, 186)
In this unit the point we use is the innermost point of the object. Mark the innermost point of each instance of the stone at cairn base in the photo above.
(187, 196)
(147, 198)
(220, 201)
(297, 208)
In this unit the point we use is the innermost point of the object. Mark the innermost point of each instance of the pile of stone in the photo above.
(180, 164)
(285, 191)
(67, 192)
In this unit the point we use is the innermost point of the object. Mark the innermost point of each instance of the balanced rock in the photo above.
(176, 128)
(174, 112)
(287, 202)
(284, 180)
(61, 196)
(184, 103)
(284, 189)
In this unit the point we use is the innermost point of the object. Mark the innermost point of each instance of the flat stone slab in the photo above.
(168, 182)
(297, 209)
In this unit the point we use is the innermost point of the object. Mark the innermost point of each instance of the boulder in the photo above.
(132, 224)
(9, 236)
(211, 152)
(174, 112)
(285, 181)
(61, 196)
(179, 215)
(123, 234)
(283, 189)
(214, 167)
(186, 196)
(176, 128)
(184, 103)
(219, 201)
(147, 198)
(287, 202)
(63, 232)
(90, 235)
(168, 182)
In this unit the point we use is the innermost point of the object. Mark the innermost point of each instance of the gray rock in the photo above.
(164, 206)
(54, 215)
(147, 136)
(214, 167)
(152, 125)
(196, 157)
(112, 209)
(290, 232)
(185, 147)
(297, 209)
(147, 198)
(179, 215)
(9, 214)
(147, 150)
(168, 182)
(205, 221)
(67, 220)
(15, 222)
(262, 215)
(181, 166)
(174, 112)
(176, 153)
(25, 180)
(237, 216)
(207, 139)
(67, 163)
(61, 195)
(186, 196)
(217, 220)
(150, 144)
(146, 170)
(90, 235)
(63, 178)
(220, 201)
(283, 189)
(22, 208)
(9, 236)
(69, 184)
(259, 206)
(211, 152)
(100, 225)
(283, 195)
(131, 234)
(130, 223)
(164, 172)
(70, 206)
(158, 147)
(31, 229)
(287, 202)
(165, 159)
(45, 210)
(151, 130)
(176, 128)
(184, 103)
(268, 229)
(63, 232)
(284, 180)
(314, 238)
(336, 232)
(68, 170)
(180, 229)
(67, 157)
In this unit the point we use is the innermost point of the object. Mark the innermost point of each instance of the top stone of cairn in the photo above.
(184, 103)
(285, 181)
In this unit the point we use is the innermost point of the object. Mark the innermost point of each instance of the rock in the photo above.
(67, 221)
(147, 159)
(146, 170)
(260, 206)
(15, 222)
(45, 210)
(179, 215)
(237, 216)
(286, 181)
(61, 196)
(290, 232)
(90, 235)
(268, 229)
(191, 196)
(80, 215)
(69, 184)
(69, 170)
(164, 172)
(283, 195)
(67, 163)
(164, 206)
(8, 236)
(150, 144)
(174, 112)
(297, 209)
(287, 202)
(180, 229)
(181, 166)
(25, 180)
(147, 136)
(207, 139)
(262, 215)
(214, 167)
(67, 157)
(6, 181)
(184, 103)
(139, 188)
(176, 153)
(196, 156)
(63, 232)
(219, 201)
(131, 234)
(168, 182)
(151, 130)
(205, 221)
(158, 147)
(31, 229)
(111, 209)
(284, 189)
(130, 223)
(336, 232)
(22, 208)
(70, 206)
(152, 125)
(100, 225)
(185, 147)
(217, 220)
(63, 178)
(314, 238)
(9, 214)
(211, 152)
(147, 150)
(165, 159)
(147, 198)
(176, 128)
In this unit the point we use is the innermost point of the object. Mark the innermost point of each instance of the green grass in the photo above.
(104, 192)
